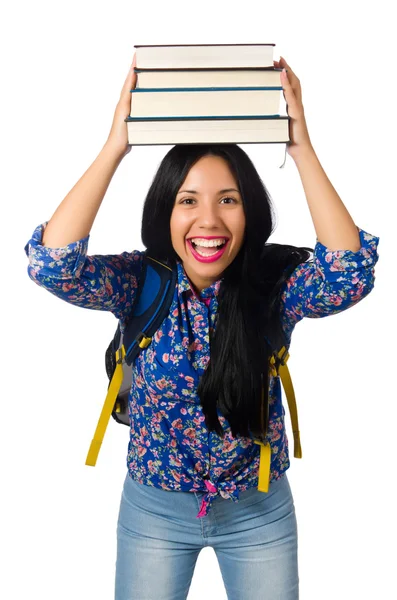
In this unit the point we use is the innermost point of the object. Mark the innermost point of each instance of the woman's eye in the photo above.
(226, 198)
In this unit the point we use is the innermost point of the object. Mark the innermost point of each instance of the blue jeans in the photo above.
(159, 539)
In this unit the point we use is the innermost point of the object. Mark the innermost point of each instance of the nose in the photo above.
(208, 216)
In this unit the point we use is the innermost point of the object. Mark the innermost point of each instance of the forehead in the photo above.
(209, 174)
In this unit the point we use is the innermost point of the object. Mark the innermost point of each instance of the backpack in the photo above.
(153, 298)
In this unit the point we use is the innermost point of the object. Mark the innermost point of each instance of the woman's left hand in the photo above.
(298, 132)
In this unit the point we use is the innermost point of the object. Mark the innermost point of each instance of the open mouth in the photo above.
(206, 254)
(208, 250)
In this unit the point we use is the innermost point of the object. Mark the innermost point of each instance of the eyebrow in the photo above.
(220, 191)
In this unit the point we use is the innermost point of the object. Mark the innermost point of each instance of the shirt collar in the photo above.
(184, 285)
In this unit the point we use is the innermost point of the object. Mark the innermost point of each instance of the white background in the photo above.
(63, 66)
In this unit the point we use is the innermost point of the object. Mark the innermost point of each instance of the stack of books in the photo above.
(204, 93)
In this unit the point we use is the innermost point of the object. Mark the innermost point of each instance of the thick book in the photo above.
(260, 129)
(208, 78)
(220, 102)
(201, 56)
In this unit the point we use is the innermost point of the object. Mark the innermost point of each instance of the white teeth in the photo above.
(208, 243)
(205, 254)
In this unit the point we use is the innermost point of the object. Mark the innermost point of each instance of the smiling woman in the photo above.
(207, 221)
(213, 192)
(203, 392)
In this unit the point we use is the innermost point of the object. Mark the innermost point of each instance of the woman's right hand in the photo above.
(118, 136)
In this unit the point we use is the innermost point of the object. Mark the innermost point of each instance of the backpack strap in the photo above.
(278, 366)
(107, 408)
(152, 305)
(154, 296)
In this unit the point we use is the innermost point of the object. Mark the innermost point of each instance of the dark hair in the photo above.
(249, 294)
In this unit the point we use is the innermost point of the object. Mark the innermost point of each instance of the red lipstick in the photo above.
(207, 259)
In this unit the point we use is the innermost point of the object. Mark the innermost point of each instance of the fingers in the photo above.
(291, 74)
(284, 63)
(130, 81)
(282, 60)
(291, 81)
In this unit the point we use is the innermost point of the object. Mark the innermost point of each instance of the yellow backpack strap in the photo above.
(265, 451)
(107, 409)
(264, 466)
(283, 356)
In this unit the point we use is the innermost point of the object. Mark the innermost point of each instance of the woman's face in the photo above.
(205, 211)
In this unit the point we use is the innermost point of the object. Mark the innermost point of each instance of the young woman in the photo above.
(196, 395)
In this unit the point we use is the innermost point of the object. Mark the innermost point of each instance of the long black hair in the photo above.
(236, 380)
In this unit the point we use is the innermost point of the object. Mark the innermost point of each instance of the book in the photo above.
(225, 112)
(186, 78)
(189, 130)
(201, 56)
(220, 102)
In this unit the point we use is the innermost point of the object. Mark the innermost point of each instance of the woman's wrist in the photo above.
(115, 150)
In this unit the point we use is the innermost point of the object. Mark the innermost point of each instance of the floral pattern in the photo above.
(170, 446)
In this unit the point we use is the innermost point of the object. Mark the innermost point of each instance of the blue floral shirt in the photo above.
(170, 446)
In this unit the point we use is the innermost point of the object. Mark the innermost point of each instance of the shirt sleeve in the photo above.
(99, 282)
(330, 282)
